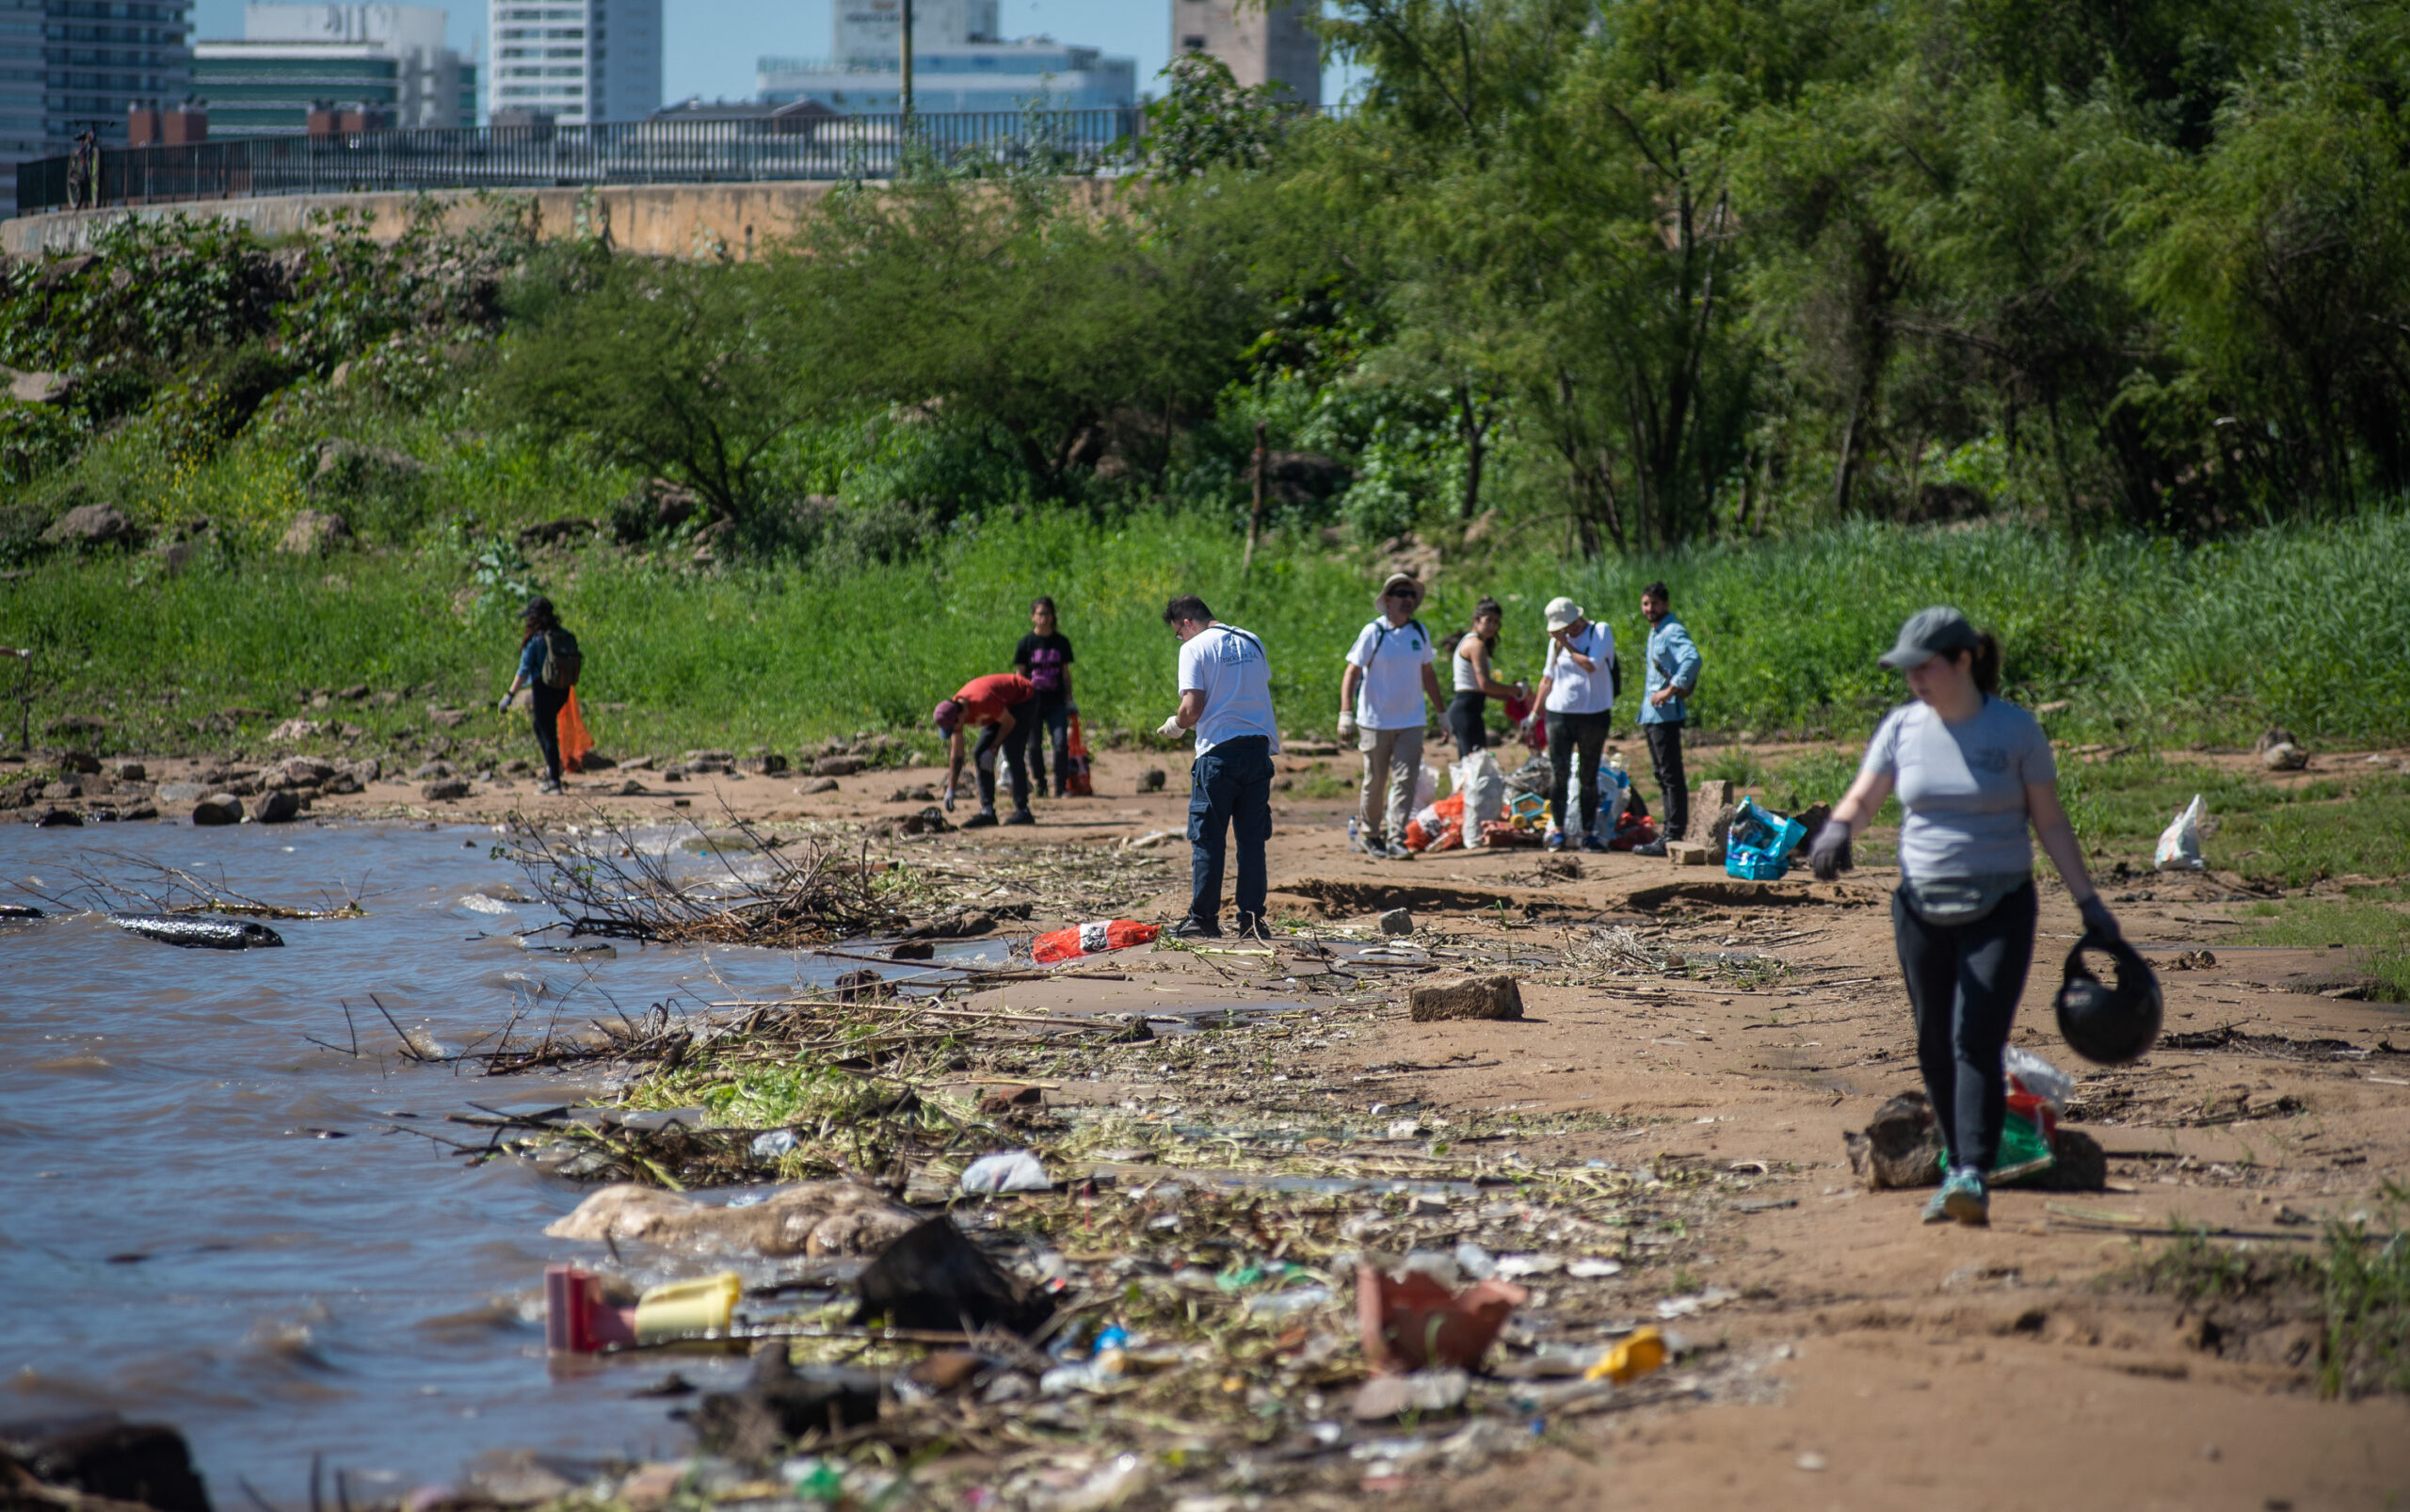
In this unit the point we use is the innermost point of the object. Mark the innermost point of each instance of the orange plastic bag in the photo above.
(1077, 781)
(575, 741)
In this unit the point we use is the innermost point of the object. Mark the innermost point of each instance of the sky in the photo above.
(710, 45)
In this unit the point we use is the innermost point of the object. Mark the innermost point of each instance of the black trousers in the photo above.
(1573, 737)
(1964, 981)
(1665, 754)
(1465, 722)
(544, 706)
(1053, 719)
(1016, 750)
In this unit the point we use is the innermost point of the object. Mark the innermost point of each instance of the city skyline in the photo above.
(709, 47)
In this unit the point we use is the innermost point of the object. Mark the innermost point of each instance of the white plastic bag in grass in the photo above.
(2179, 844)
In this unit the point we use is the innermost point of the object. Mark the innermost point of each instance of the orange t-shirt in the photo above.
(983, 699)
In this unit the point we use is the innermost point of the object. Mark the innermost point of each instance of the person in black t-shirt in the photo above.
(1044, 657)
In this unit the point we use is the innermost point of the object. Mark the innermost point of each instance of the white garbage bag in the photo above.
(2179, 844)
(1484, 785)
(1426, 788)
(1010, 1170)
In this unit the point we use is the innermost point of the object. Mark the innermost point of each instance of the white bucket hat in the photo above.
(1563, 612)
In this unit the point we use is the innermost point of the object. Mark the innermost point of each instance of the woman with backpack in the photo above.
(1974, 774)
(549, 662)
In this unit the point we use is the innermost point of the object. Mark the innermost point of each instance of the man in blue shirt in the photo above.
(1673, 676)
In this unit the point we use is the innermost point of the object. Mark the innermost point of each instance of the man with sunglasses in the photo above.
(1381, 705)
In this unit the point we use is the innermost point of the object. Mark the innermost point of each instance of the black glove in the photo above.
(2098, 922)
(1829, 856)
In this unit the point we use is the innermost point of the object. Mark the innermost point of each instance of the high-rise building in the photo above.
(101, 55)
(959, 62)
(22, 133)
(1260, 43)
(391, 59)
(69, 65)
(580, 62)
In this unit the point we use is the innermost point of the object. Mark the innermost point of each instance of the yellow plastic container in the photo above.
(688, 1309)
(1628, 1361)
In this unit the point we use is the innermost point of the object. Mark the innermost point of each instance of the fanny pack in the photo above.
(1951, 900)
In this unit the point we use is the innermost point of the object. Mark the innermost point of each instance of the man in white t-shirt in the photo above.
(1225, 696)
(1577, 694)
(1381, 705)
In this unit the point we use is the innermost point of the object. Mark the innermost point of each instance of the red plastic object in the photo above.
(577, 1321)
(1091, 939)
(1415, 1322)
(1078, 782)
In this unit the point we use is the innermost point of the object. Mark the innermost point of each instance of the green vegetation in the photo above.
(1817, 312)
(2355, 1286)
(2369, 921)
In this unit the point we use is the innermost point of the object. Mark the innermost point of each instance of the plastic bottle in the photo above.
(1091, 939)
(1355, 828)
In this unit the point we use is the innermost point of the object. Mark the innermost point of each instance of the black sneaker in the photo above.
(984, 819)
(1020, 816)
(1251, 927)
(1655, 848)
(1193, 927)
(1397, 850)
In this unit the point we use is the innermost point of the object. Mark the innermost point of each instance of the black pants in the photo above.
(544, 706)
(1572, 736)
(1055, 719)
(1465, 722)
(1016, 750)
(1665, 754)
(1964, 981)
(1230, 793)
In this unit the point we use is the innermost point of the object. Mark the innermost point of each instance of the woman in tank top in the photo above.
(1475, 684)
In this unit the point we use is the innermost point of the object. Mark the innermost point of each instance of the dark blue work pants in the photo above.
(1229, 788)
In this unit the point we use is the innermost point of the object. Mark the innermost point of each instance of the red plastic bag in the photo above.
(575, 742)
(1633, 829)
(1091, 939)
(1533, 735)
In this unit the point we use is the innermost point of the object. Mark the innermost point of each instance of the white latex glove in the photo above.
(1171, 729)
(1348, 726)
(949, 797)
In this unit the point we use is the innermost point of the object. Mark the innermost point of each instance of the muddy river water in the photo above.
(206, 1219)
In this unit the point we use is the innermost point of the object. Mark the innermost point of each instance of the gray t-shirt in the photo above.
(1963, 786)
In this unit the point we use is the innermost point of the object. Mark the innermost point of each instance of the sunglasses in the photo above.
(1408, 595)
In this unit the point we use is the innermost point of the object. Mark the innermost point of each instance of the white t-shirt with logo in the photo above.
(1228, 667)
(1572, 690)
(1392, 657)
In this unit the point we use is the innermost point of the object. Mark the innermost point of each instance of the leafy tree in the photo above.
(691, 372)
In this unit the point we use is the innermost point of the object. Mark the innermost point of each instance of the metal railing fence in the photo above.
(524, 157)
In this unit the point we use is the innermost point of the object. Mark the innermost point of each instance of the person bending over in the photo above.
(988, 703)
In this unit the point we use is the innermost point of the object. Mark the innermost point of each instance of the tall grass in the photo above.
(2305, 626)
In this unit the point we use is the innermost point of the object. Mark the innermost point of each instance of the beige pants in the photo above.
(1392, 762)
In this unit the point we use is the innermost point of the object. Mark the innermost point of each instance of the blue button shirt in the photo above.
(1671, 660)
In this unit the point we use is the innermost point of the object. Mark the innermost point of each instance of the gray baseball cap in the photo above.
(1928, 634)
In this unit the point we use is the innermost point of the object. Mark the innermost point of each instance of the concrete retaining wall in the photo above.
(663, 219)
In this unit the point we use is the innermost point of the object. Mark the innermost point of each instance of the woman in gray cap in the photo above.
(1973, 772)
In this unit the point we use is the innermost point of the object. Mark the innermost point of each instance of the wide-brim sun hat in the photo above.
(1563, 612)
(1395, 581)
(1928, 634)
